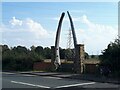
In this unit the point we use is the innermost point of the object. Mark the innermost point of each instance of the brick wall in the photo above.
(43, 66)
(47, 66)
(90, 68)
(65, 67)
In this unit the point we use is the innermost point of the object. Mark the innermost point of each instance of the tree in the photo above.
(32, 48)
(5, 48)
(39, 50)
(92, 56)
(20, 49)
(16, 58)
(111, 57)
(47, 53)
(69, 54)
(86, 55)
(62, 53)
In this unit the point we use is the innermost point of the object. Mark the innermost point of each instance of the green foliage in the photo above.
(36, 57)
(92, 56)
(20, 58)
(111, 56)
(86, 55)
(69, 54)
(62, 53)
(39, 50)
(47, 53)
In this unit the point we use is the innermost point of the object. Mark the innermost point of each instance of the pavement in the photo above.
(89, 77)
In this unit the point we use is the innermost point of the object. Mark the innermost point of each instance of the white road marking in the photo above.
(29, 84)
(75, 85)
(28, 75)
(53, 77)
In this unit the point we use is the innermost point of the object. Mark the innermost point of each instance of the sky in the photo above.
(35, 23)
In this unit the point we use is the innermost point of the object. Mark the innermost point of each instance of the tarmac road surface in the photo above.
(14, 81)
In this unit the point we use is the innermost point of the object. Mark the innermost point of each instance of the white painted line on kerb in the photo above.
(30, 84)
(80, 84)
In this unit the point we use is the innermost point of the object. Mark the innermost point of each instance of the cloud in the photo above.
(86, 21)
(15, 22)
(29, 26)
(95, 36)
(36, 28)
(99, 29)
(27, 33)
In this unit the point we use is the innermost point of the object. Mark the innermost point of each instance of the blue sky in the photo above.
(35, 23)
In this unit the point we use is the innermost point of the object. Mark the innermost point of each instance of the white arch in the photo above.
(57, 55)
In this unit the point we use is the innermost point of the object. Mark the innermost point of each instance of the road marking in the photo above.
(28, 75)
(53, 77)
(29, 84)
(80, 84)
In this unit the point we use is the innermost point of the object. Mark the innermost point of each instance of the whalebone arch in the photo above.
(57, 62)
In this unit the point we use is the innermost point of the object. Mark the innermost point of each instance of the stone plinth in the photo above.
(79, 58)
(52, 57)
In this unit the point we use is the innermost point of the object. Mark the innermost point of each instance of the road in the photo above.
(13, 81)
